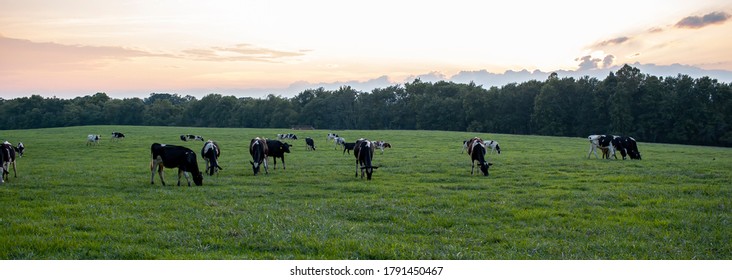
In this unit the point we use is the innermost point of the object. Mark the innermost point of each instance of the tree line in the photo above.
(679, 109)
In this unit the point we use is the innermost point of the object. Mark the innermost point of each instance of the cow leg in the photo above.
(592, 149)
(284, 167)
(15, 173)
(275, 163)
(265, 166)
(185, 174)
(472, 167)
(160, 172)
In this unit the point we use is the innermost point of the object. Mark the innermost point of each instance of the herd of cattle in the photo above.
(183, 158)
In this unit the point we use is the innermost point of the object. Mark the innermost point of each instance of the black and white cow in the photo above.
(310, 144)
(287, 136)
(381, 145)
(610, 144)
(172, 156)
(117, 135)
(364, 153)
(331, 136)
(476, 151)
(210, 153)
(93, 139)
(631, 147)
(277, 149)
(20, 149)
(186, 137)
(339, 141)
(348, 147)
(8, 159)
(258, 149)
(493, 145)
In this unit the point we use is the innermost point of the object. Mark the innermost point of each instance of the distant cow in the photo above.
(310, 144)
(381, 145)
(364, 153)
(477, 151)
(277, 149)
(186, 137)
(287, 136)
(631, 147)
(258, 150)
(7, 159)
(117, 135)
(210, 153)
(493, 145)
(348, 147)
(20, 149)
(93, 139)
(172, 156)
(339, 141)
(331, 136)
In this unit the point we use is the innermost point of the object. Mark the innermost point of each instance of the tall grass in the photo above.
(543, 200)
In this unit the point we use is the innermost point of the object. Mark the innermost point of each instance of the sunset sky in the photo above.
(132, 48)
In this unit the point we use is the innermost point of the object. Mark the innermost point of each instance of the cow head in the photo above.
(286, 147)
(369, 170)
(197, 178)
(255, 167)
(484, 167)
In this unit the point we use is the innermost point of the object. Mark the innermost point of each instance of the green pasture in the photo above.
(543, 200)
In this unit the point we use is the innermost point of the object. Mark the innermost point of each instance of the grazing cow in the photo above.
(331, 136)
(381, 145)
(631, 146)
(602, 142)
(172, 156)
(494, 146)
(210, 153)
(477, 151)
(20, 149)
(93, 139)
(258, 150)
(609, 144)
(287, 136)
(117, 135)
(186, 137)
(339, 141)
(310, 144)
(348, 147)
(277, 149)
(364, 153)
(8, 159)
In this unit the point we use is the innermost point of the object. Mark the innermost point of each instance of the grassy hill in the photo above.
(543, 200)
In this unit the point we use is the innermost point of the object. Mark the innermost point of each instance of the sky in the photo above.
(253, 48)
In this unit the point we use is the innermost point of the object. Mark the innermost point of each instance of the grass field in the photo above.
(543, 200)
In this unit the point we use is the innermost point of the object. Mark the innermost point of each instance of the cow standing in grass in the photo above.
(7, 159)
(93, 139)
(20, 149)
(364, 153)
(477, 151)
(258, 150)
(210, 153)
(277, 149)
(310, 144)
(172, 156)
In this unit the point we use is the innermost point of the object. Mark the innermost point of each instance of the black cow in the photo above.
(210, 153)
(277, 149)
(172, 156)
(186, 137)
(631, 146)
(477, 151)
(7, 159)
(118, 135)
(348, 147)
(258, 149)
(364, 153)
(310, 144)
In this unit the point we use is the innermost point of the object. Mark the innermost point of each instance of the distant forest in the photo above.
(680, 109)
